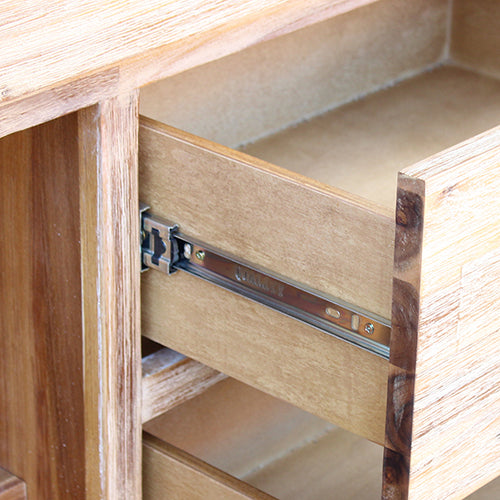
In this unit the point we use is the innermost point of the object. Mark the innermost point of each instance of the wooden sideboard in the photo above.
(342, 95)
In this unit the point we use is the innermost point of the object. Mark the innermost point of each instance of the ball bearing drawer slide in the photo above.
(165, 248)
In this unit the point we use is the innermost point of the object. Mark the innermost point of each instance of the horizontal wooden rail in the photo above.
(169, 379)
(172, 474)
(11, 487)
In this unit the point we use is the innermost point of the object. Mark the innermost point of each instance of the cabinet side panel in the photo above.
(41, 396)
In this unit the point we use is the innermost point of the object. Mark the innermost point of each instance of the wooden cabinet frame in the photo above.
(70, 421)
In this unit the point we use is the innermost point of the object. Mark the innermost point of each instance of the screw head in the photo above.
(369, 328)
(200, 255)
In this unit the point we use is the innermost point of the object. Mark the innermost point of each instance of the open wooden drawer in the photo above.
(380, 88)
(232, 441)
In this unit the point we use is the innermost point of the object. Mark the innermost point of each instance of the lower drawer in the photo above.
(239, 440)
(233, 441)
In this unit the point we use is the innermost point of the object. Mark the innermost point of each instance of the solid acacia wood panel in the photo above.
(87, 36)
(285, 223)
(170, 379)
(170, 473)
(268, 350)
(443, 403)
(110, 287)
(271, 85)
(476, 34)
(11, 487)
(308, 232)
(41, 396)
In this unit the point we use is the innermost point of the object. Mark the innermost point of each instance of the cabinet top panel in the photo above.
(46, 44)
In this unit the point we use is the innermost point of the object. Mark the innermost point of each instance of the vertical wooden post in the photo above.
(110, 267)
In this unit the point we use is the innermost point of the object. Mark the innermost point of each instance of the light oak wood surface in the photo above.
(110, 266)
(143, 43)
(11, 487)
(443, 401)
(171, 474)
(169, 379)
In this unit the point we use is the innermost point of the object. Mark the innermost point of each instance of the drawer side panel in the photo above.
(292, 226)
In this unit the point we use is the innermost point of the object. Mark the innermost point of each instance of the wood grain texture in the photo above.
(11, 487)
(322, 237)
(475, 37)
(81, 39)
(41, 380)
(172, 474)
(262, 213)
(271, 85)
(170, 379)
(443, 402)
(323, 375)
(110, 287)
(50, 104)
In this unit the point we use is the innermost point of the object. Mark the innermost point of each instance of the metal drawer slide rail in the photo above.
(165, 248)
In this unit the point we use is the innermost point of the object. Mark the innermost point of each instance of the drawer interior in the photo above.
(350, 101)
(270, 445)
